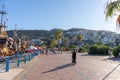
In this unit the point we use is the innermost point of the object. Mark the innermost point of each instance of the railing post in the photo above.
(32, 55)
(29, 57)
(18, 62)
(7, 65)
(35, 53)
(25, 59)
(38, 51)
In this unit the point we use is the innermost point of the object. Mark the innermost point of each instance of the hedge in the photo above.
(82, 49)
(116, 51)
(72, 46)
(95, 49)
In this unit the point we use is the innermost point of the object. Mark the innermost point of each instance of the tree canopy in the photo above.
(79, 37)
(112, 8)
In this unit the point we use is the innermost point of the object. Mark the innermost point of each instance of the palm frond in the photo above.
(112, 8)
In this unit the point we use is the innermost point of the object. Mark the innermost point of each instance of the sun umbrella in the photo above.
(30, 49)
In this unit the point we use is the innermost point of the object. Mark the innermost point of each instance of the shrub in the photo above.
(116, 51)
(72, 46)
(102, 50)
(82, 49)
(93, 49)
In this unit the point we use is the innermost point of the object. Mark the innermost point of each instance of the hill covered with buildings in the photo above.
(89, 36)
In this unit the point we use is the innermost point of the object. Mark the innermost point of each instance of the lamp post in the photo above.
(16, 39)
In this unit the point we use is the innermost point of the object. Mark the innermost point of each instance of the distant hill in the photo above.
(92, 35)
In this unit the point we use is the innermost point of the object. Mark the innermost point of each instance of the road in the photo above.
(58, 67)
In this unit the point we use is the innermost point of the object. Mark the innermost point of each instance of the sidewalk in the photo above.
(58, 67)
(13, 72)
(51, 67)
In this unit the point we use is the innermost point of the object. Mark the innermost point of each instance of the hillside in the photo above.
(91, 35)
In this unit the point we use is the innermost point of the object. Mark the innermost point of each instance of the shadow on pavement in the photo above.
(112, 58)
(59, 68)
(91, 55)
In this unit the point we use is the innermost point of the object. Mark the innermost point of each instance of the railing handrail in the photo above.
(26, 57)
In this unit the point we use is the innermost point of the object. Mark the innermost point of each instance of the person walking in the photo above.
(46, 52)
(109, 53)
(61, 50)
(74, 57)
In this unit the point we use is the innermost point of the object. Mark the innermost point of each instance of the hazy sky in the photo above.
(64, 14)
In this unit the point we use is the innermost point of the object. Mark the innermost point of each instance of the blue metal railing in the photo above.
(15, 60)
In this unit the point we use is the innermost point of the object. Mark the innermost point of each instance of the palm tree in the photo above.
(58, 36)
(65, 41)
(111, 8)
(79, 37)
(53, 43)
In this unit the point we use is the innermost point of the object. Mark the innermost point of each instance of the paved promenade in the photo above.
(58, 67)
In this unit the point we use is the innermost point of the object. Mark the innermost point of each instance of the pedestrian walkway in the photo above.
(58, 67)
(51, 67)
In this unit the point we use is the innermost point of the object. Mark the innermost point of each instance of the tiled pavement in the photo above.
(58, 67)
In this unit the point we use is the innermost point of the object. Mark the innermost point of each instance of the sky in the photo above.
(61, 14)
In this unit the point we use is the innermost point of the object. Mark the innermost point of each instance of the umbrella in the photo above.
(40, 48)
(30, 49)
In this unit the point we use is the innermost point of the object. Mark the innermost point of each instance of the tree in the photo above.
(58, 36)
(79, 37)
(111, 8)
(65, 41)
(53, 43)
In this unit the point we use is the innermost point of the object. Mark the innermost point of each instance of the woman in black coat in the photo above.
(74, 57)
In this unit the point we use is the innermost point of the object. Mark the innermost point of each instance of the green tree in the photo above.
(111, 8)
(79, 37)
(65, 42)
(58, 36)
(99, 43)
(72, 46)
(53, 43)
